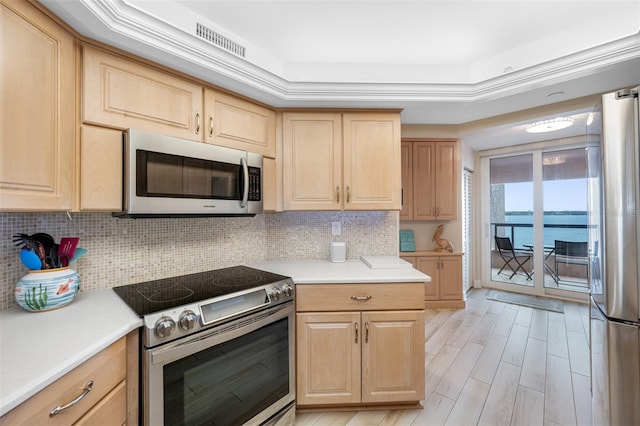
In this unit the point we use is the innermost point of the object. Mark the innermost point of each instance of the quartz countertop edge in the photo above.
(326, 272)
(68, 336)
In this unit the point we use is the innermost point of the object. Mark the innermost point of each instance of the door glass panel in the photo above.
(230, 383)
(174, 176)
(564, 176)
(512, 219)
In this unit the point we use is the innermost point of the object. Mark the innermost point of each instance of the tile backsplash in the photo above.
(126, 251)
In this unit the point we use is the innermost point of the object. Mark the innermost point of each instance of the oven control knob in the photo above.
(275, 293)
(187, 320)
(287, 290)
(164, 327)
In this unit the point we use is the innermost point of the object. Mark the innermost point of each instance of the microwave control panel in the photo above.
(255, 184)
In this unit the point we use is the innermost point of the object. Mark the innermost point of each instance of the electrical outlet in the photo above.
(335, 228)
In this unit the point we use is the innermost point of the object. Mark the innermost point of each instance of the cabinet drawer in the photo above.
(106, 370)
(111, 410)
(359, 297)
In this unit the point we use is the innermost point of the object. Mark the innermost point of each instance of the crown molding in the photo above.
(118, 23)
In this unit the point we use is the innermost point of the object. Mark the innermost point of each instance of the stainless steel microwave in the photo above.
(170, 177)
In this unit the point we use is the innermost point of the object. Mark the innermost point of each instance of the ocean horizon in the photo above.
(524, 235)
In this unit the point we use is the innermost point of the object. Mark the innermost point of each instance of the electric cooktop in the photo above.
(159, 295)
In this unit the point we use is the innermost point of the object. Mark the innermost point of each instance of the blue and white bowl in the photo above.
(48, 289)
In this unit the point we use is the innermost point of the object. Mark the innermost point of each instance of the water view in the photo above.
(524, 235)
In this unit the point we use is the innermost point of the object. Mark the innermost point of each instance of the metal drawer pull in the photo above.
(356, 325)
(361, 297)
(84, 393)
(197, 123)
(366, 334)
(210, 125)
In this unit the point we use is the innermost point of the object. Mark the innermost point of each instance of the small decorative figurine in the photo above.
(445, 245)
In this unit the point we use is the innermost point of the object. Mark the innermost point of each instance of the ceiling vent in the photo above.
(219, 40)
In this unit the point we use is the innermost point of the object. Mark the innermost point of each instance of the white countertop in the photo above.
(351, 271)
(38, 348)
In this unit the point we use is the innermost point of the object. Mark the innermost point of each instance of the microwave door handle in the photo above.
(245, 183)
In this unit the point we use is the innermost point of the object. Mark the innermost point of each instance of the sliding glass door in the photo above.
(511, 211)
(536, 231)
(564, 187)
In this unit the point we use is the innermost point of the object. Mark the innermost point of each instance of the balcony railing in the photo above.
(512, 226)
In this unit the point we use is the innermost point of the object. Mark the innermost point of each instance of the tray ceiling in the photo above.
(442, 62)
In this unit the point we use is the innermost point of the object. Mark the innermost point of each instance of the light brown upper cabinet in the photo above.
(406, 213)
(37, 106)
(237, 123)
(434, 181)
(100, 169)
(341, 161)
(122, 93)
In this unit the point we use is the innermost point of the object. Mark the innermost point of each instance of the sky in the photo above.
(567, 194)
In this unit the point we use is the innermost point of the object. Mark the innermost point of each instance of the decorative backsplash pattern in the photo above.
(126, 251)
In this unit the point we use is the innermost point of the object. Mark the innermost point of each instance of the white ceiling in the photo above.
(442, 62)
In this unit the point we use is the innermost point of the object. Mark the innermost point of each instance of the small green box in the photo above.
(407, 243)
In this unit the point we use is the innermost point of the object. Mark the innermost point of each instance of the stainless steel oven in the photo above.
(222, 360)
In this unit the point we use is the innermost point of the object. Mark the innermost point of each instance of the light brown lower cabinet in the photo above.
(100, 391)
(445, 270)
(351, 351)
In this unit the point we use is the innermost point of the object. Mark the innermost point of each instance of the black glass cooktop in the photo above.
(153, 296)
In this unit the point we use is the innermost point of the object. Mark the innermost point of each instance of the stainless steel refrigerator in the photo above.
(615, 274)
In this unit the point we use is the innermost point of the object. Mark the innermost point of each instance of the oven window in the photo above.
(173, 176)
(229, 383)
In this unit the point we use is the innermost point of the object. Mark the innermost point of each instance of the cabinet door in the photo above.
(312, 161)
(237, 123)
(328, 358)
(424, 207)
(371, 155)
(393, 356)
(430, 266)
(407, 181)
(122, 93)
(269, 186)
(37, 106)
(100, 169)
(446, 181)
(451, 278)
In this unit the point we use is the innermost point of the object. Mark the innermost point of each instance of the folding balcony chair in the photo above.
(514, 259)
(571, 253)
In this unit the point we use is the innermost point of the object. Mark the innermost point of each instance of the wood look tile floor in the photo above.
(494, 363)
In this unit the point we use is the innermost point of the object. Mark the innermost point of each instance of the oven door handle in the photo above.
(216, 335)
